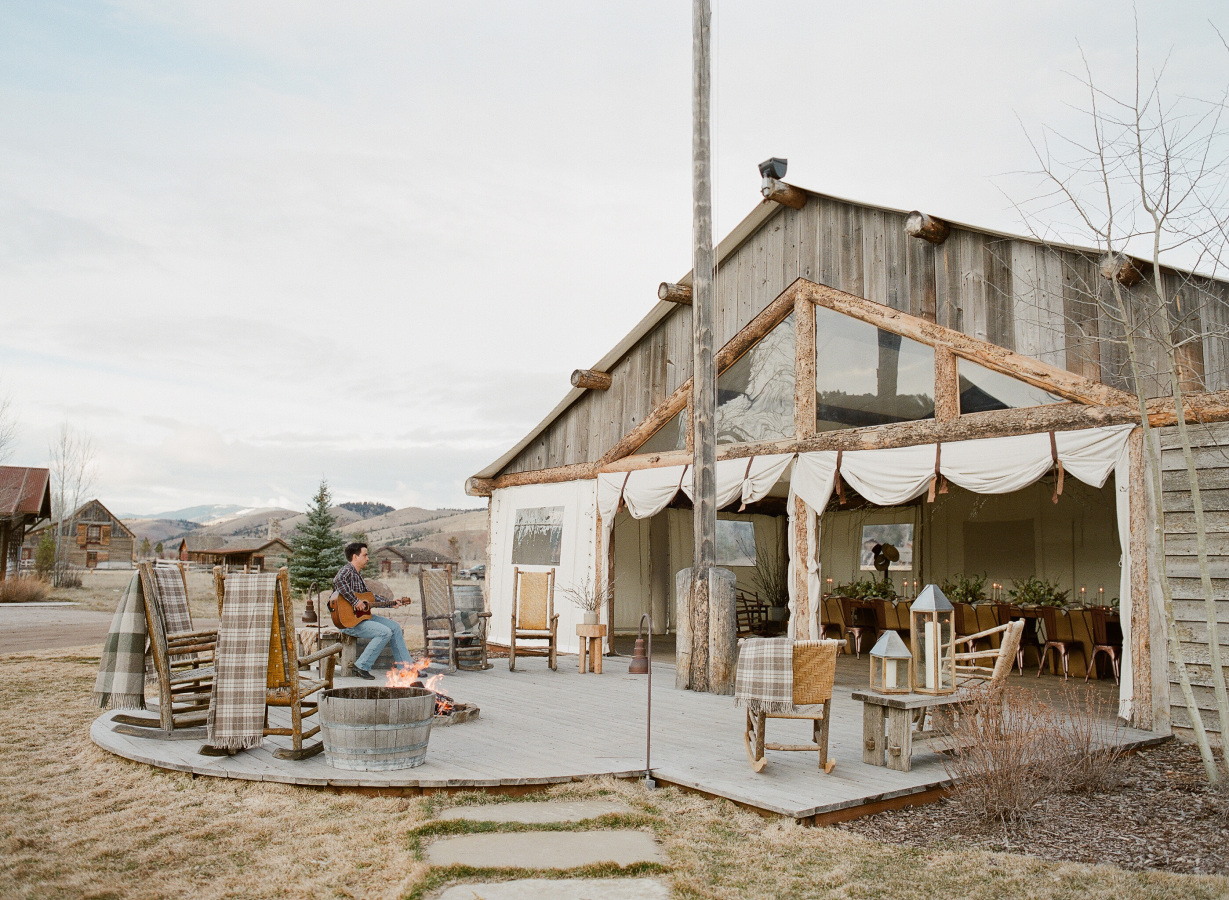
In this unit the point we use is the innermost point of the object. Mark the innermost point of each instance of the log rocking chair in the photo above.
(285, 686)
(445, 636)
(814, 671)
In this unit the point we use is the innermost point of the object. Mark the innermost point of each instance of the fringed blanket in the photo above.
(764, 680)
(241, 663)
(121, 672)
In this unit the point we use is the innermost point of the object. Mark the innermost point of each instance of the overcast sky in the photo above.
(246, 245)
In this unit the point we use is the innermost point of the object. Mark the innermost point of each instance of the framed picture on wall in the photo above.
(898, 535)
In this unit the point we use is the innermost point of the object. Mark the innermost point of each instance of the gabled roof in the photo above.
(25, 493)
(221, 546)
(114, 518)
(417, 555)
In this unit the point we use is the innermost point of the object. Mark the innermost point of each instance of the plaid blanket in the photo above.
(764, 680)
(241, 663)
(121, 672)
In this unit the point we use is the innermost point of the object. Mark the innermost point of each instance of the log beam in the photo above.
(928, 228)
(1122, 268)
(947, 385)
(482, 487)
(804, 368)
(674, 293)
(591, 380)
(999, 359)
(785, 194)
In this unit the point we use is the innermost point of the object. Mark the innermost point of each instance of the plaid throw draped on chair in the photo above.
(121, 671)
(764, 680)
(237, 706)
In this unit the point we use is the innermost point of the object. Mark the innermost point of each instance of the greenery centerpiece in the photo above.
(1036, 591)
(962, 588)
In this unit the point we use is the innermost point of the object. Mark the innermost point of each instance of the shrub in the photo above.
(23, 590)
(866, 590)
(1009, 755)
(1092, 735)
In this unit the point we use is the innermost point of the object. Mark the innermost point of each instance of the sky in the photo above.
(249, 245)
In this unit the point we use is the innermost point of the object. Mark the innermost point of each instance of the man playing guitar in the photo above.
(377, 630)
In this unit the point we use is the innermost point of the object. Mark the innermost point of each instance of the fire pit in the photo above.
(371, 729)
(447, 710)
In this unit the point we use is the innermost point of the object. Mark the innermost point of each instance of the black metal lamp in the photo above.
(773, 169)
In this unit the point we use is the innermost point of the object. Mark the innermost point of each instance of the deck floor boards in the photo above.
(540, 727)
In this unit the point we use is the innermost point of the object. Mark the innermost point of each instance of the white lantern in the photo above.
(931, 627)
(891, 665)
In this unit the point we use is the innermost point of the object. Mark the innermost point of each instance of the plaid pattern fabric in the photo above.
(121, 672)
(173, 605)
(764, 680)
(241, 663)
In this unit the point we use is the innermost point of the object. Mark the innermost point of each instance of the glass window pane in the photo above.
(735, 542)
(671, 436)
(755, 396)
(865, 376)
(537, 536)
(982, 389)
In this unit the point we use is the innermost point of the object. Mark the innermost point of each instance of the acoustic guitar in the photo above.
(342, 610)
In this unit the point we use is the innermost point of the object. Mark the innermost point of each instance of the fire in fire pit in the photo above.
(408, 675)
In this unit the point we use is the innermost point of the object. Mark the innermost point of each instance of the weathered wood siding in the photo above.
(1028, 297)
(1181, 563)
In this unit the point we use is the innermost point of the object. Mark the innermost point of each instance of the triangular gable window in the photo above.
(865, 376)
(982, 390)
(671, 436)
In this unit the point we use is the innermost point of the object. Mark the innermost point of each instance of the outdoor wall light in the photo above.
(934, 642)
(891, 665)
(773, 170)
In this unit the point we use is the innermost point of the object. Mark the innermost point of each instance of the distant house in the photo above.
(96, 539)
(409, 560)
(258, 555)
(25, 498)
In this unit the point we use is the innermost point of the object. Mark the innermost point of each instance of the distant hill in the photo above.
(367, 509)
(166, 531)
(201, 515)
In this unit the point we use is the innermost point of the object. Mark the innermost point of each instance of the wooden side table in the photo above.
(591, 647)
(894, 750)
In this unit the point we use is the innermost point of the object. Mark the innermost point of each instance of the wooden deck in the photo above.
(539, 727)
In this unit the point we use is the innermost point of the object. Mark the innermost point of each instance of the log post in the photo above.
(785, 194)
(591, 380)
(804, 368)
(928, 228)
(722, 631)
(704, 370)
(802, 581)
(682, 629)
(1141, 618)
(674, 293)
(947, 385)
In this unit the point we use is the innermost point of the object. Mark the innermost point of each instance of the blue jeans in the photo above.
(378, 631)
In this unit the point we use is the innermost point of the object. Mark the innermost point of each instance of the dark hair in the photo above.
(353, 548)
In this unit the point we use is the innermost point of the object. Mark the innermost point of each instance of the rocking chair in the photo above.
(814, 671)
(284, 685)
(444, 635)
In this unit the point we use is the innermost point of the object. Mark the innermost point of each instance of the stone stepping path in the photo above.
(545, 849)
(538, 812)
(562, 889)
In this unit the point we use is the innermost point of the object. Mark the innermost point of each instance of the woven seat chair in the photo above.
(814, 671)
(533, 613)
(182, 657)
(444, 637)
(285, 686)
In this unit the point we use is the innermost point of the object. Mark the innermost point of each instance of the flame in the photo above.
(403, 675)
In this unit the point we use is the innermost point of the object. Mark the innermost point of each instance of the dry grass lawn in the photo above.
(78, 822)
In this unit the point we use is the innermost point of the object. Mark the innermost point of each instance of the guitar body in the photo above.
(343, 612)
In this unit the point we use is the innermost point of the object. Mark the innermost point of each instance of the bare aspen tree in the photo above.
(1149, 178)
(73, 474)
(8, 428)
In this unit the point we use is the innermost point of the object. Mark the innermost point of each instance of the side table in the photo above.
(896, 711)
(591, 647)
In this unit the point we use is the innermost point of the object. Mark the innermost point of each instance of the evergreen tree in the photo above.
(158, 549)
(145, 548)
(317, 546)
(44, 556)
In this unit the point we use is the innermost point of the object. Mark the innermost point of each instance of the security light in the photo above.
(773, 168)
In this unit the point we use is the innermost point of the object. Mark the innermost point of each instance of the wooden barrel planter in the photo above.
(375, 729)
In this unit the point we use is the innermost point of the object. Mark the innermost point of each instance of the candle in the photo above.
(932, 644)
(889, 673)
(1083, 595)
(1100, 595)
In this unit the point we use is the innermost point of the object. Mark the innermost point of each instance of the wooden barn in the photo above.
(243, 554)
(25, 499)
(391, 560)
(96, 539)
(883, 375)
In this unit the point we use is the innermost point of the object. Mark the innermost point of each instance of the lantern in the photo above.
(933, 634)
(891, 665)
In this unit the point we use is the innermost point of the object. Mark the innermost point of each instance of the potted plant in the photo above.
(589, 597)
(1037, 592)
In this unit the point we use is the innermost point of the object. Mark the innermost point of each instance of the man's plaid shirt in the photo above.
(348, 582)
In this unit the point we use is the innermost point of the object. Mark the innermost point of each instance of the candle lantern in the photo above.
(931, 627)
(891, 665)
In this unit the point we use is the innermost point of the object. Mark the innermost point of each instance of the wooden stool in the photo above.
(591, 647)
